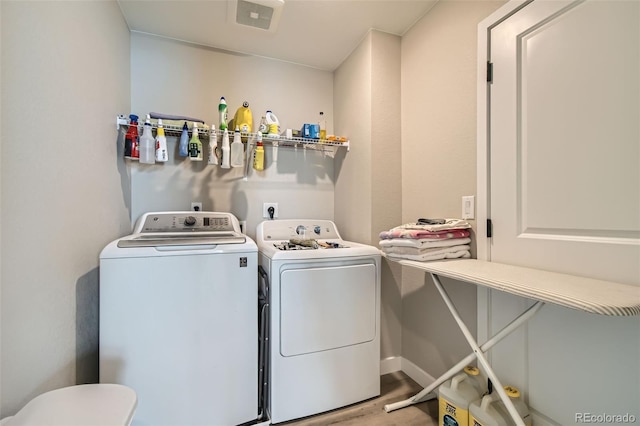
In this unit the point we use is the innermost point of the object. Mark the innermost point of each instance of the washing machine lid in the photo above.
(180, 228)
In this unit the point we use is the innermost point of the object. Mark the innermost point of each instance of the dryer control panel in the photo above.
(276, 230)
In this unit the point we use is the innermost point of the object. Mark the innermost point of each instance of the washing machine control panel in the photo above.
(187, 222)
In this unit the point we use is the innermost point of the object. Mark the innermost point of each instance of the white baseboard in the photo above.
(421, 377)
(390, 365)
(398, 363)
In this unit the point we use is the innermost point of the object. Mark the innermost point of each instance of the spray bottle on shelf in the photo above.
(258, 154)
(237, 150)
(222, 110)
(131, 138)
(162, 154)
(183, 148)
(226, 149)
(213, 146)
(195, 146)
(147, 144)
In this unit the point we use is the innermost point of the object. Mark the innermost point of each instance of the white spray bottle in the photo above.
(213, 159)
(147, 144)
(226, 149)
(237, 150)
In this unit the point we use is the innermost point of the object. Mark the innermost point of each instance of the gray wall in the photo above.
(65, 76)
(368, 186)
(438, 65)
(189, 80)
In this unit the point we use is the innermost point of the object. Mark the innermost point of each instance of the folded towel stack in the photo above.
(425, 242)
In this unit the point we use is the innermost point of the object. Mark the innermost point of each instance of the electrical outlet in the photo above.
(265, 210)
(468, 207)
(196, 206)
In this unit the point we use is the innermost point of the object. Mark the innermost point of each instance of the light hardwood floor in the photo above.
(393, 387)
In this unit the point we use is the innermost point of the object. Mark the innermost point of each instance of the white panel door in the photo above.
(564, 195)
(565, 132)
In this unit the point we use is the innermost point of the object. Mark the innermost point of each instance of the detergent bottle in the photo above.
(263, 127)
(131, 138)
(226, 149)
(258, 154)
(244, 118)
(147, 144)
(162, 154)
(237, 150)
(491, 411)
(273, 123)
(213, 146)
(454, 398)
(222, 111)
(195, 146)
(183, 147)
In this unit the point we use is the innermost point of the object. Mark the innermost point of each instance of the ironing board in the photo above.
(585, 294)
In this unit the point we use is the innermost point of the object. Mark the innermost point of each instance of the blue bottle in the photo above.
(183, 149)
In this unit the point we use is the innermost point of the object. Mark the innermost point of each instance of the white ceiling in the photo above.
(316, 33)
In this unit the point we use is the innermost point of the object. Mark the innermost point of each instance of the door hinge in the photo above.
(489, 228)
(489, 72)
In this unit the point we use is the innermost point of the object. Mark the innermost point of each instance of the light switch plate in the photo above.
(468, 207)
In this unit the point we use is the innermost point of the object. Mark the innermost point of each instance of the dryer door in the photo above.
(326, 308)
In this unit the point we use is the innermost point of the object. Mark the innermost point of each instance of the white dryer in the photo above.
(178, 319)
(324, 327)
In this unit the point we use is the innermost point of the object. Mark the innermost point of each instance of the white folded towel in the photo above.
(418, 252)
(456, 252)
(423, 243)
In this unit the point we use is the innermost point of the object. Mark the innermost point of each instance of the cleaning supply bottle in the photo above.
(226, 149)
(195, 146)
(147, 144)
(131, 138)
(162, 154)
(263, 127)
(322, 124)
(237, 150)
(183, 147)
(454, 399)
(273, 123)
(244, 118)
(491, 411)
(222, 111)
(213, 159)
(258, 154)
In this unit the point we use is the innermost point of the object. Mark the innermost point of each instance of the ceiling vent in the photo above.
(260, 14)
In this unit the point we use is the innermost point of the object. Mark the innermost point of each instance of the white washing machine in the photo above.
(324, 318)
(178, 319)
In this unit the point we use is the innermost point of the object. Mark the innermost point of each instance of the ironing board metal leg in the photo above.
(504, 332)
(479, 354)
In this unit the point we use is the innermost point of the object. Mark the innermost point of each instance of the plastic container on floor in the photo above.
(455, 396)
